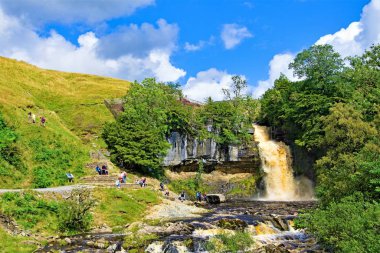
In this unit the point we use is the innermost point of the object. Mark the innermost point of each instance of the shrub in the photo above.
(74, 214)
(351, 225)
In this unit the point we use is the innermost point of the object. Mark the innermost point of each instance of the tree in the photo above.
(152, 111)
(319, 63)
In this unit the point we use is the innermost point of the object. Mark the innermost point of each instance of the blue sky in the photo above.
(197, 43)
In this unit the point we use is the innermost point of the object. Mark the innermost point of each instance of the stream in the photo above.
(270, 223)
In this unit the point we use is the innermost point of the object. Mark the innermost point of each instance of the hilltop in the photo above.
(73, 105)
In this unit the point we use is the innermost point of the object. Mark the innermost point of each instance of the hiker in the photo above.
(98, 170)
(198, 196)
(162, 187)
(43, 121)
(123, 177)
(167, 193)
(117, 183)
(104, 170)
(143, 182)
(31, 117)
(70, 177)
(204, 197)
(182, 196)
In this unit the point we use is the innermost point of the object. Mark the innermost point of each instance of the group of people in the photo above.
(103, 170)
(200, 196)
(32, 119)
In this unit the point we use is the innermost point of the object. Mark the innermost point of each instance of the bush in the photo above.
(351, 225)
(74, 214)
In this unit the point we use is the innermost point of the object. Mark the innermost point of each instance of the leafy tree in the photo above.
(152, 110)
(351, 225)
(74, 215)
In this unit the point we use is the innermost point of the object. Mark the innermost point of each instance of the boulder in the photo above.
(215, 198)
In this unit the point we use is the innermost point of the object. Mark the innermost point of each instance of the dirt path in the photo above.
(58, 189)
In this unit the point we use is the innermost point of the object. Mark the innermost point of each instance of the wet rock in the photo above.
(233, 224)
(178, 228)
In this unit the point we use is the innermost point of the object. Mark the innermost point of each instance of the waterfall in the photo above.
(276, 160)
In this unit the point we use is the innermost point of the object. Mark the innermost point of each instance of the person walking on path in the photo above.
(43, 121)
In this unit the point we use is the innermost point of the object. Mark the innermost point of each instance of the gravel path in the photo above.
(59, 189)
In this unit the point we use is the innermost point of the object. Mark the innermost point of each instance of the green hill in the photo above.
(75, 113)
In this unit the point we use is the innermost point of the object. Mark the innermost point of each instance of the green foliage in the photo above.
(189, 186)
(138, 137)
(10, 161)
(54, 159)
(12, 244)
(318, 63)
(351, 225)
(237, 242)
(118, 207)
(74, 214)
(30, 210)
(333, 113)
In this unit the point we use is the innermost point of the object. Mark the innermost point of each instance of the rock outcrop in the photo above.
(186, 152)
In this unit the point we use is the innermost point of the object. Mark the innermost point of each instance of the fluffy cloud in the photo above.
(139, 41)
(350, 41)
(55, 52)
(43, 11)
(209, 83)
(279, 64)
(358, 36)
(233, 34)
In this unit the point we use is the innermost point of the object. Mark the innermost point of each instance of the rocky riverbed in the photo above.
(188, 228)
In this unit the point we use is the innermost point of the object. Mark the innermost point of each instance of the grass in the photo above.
(243, 188)
(118, 207)
(31, 211)
(237, 242)
(12, 244)
(75, 112)
(189, 186)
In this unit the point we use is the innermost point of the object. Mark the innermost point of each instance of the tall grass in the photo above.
(73, 106)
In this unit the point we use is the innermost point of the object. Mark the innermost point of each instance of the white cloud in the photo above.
(358, 36)
(69, 11)
(233, 34)
(194, 47)
(55, 52)
(350, 41)
(198, 46)
(209, 83)
(279, 64)
(139, 41)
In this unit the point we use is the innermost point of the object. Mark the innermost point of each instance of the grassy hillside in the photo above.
(75, 112)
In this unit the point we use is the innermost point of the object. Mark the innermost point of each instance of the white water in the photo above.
(280, 184)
